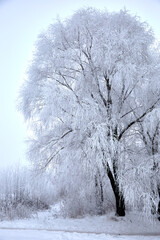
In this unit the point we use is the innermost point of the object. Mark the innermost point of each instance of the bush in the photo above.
(23, 193)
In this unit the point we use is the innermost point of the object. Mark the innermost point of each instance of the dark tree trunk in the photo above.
(101, 191)
(158, 211)
(120, 203)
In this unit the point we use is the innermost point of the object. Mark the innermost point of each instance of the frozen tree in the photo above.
(149, 131)
(91, 81)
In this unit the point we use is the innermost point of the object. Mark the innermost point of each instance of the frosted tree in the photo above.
(86, 91)
(149, 131)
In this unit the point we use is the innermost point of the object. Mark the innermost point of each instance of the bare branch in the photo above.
(137, 119)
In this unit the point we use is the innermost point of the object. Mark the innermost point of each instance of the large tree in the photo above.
(91, 81)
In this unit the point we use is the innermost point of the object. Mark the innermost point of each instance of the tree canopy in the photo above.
(91, 88)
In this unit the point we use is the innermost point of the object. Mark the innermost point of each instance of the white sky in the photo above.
(20, 23)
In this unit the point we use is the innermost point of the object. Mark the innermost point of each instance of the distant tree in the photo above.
(91, 81)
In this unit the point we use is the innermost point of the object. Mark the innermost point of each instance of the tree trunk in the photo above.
(120, 203)
(158, 211)
(99, 193)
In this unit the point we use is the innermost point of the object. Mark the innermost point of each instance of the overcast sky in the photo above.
(20, 23)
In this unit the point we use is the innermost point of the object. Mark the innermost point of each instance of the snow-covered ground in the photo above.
(51, 235)
(51, 225)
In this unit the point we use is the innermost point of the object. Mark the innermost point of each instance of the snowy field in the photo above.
(7, 234)
(50, 225)
(52, 220)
